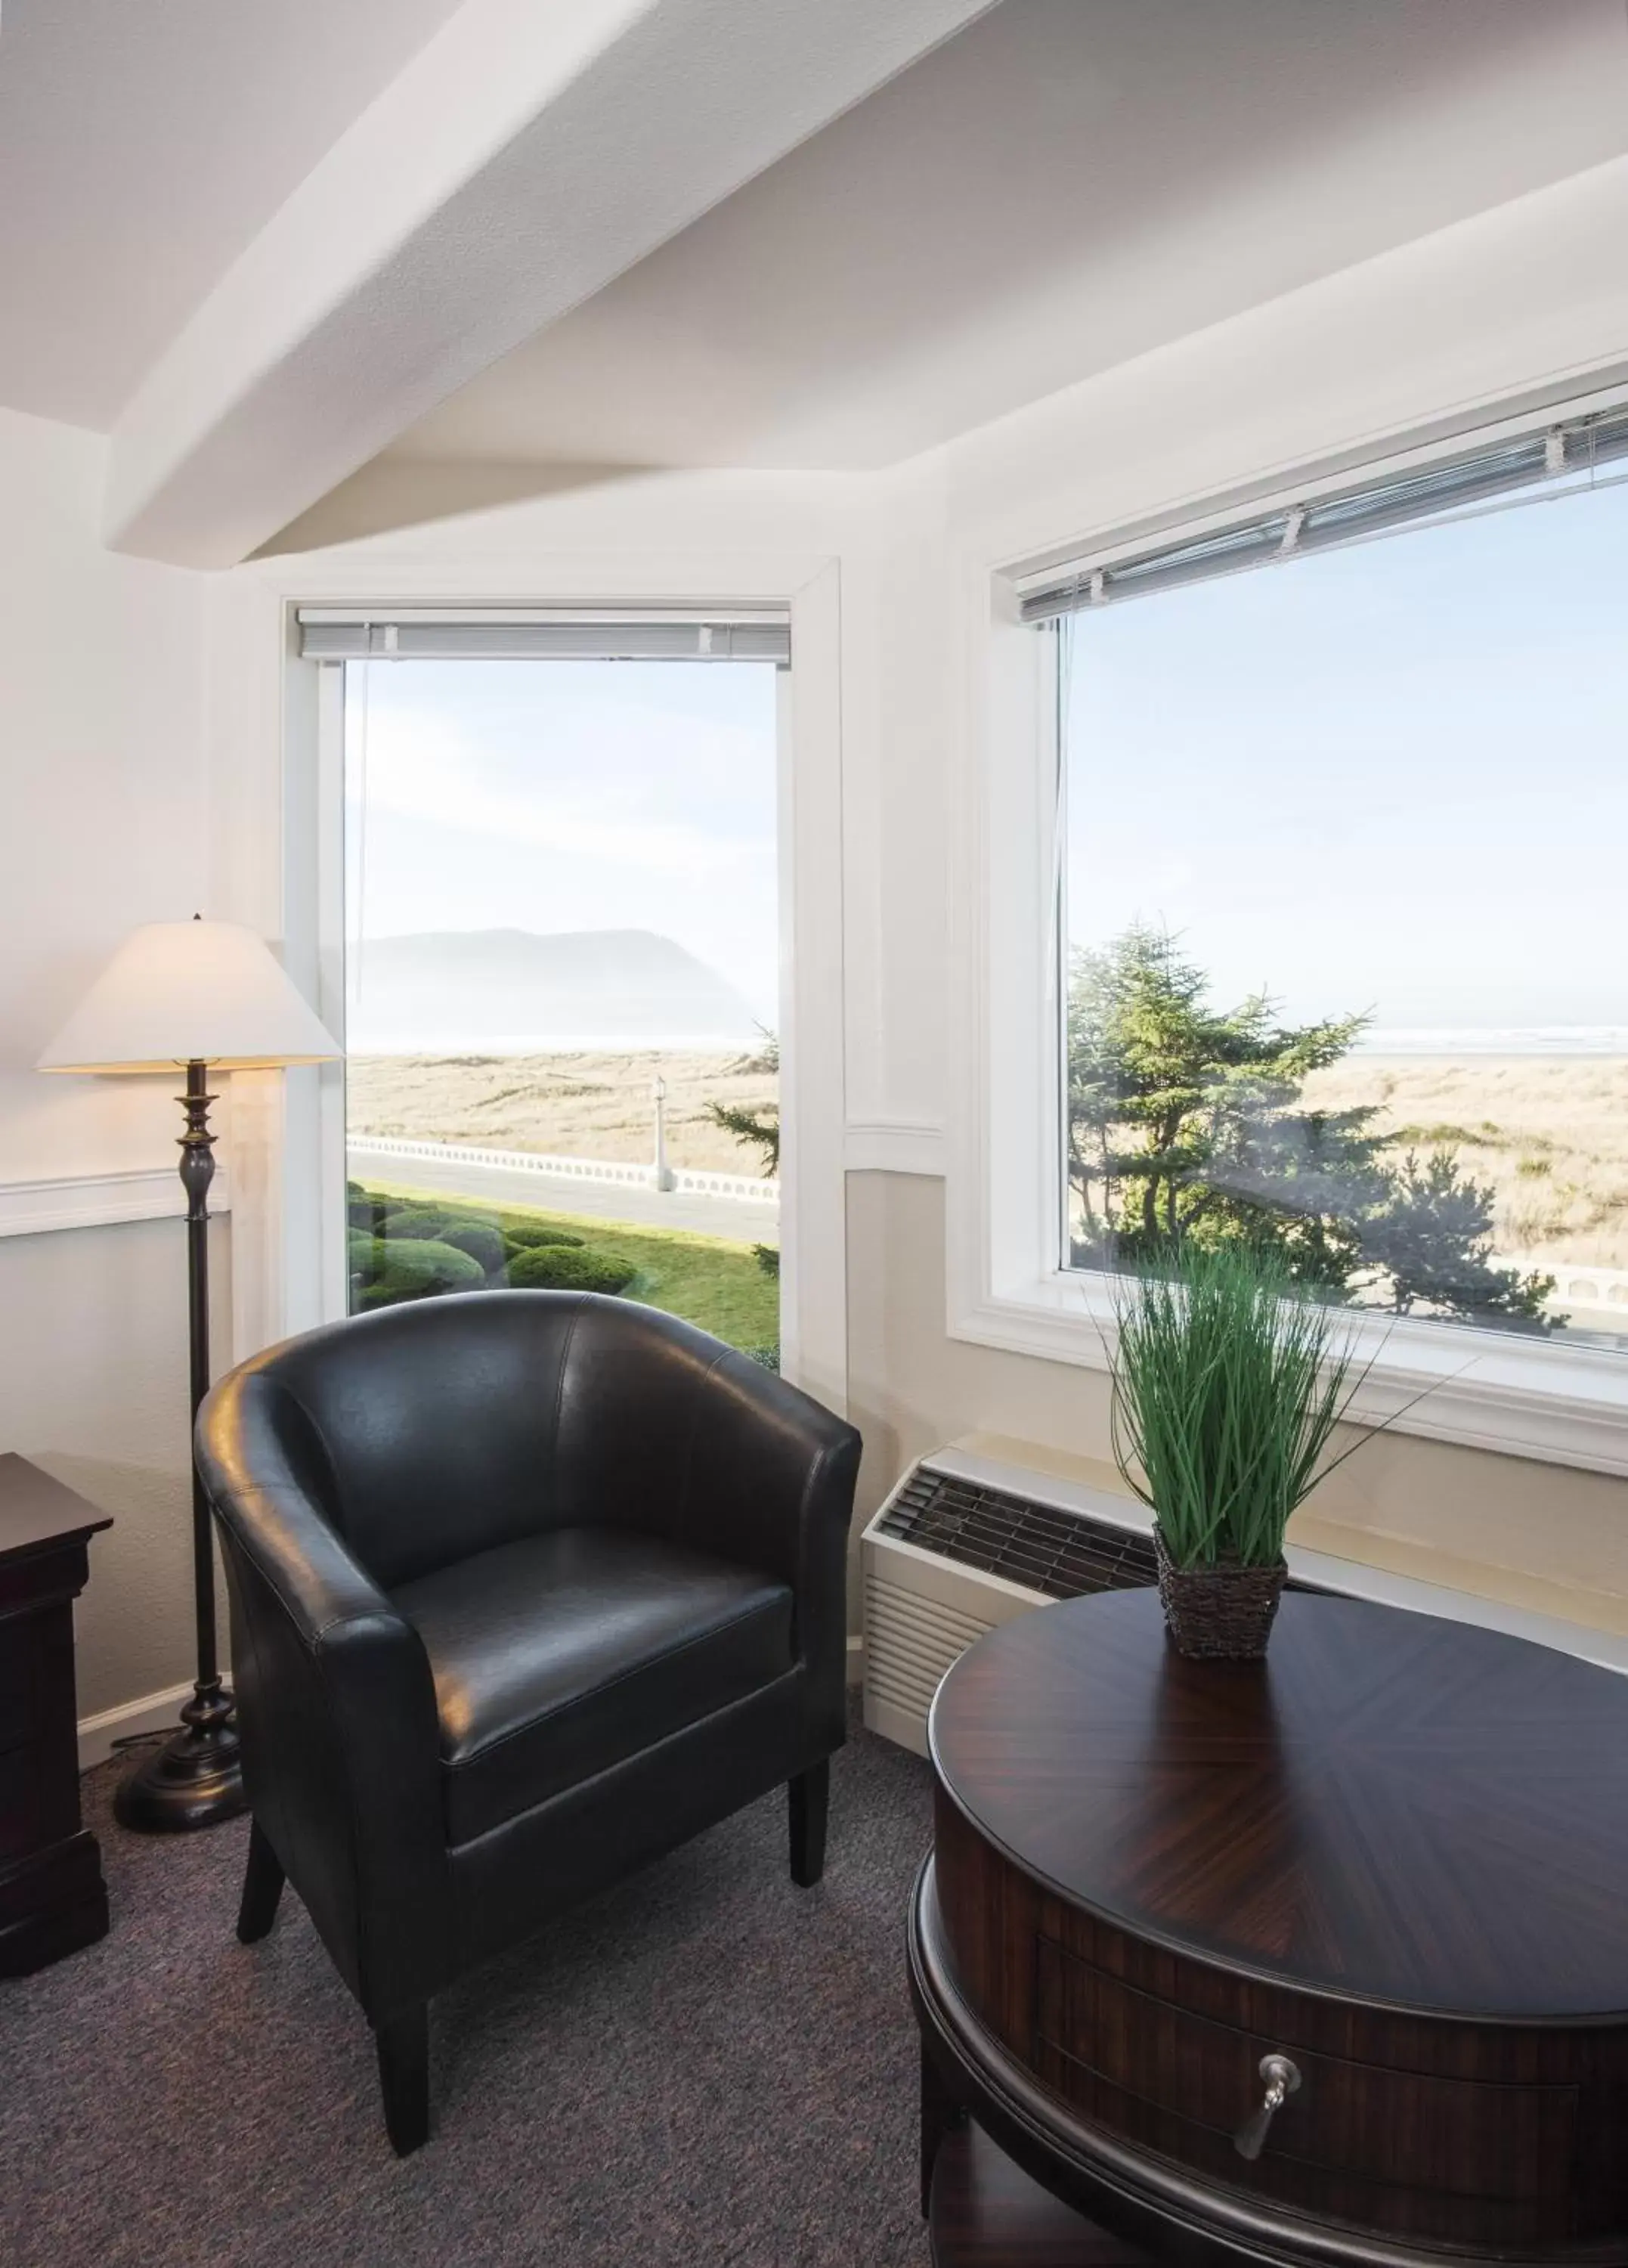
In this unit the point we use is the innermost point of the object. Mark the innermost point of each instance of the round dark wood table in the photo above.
(1318, 1960)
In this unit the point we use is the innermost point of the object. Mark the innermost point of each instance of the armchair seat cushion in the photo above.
(559, 1656)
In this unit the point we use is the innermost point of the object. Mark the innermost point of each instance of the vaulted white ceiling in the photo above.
(453, 186)
(141, 144)
(263, 240)
(1065, 185)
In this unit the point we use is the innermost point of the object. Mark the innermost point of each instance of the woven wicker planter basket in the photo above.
(1223, 1613)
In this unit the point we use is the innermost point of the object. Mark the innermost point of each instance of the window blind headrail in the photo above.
(1567, 453)
(331, 634)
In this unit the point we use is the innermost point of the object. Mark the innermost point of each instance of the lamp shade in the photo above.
(180, 992)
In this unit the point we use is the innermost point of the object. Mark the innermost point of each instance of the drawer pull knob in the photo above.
(1282, 2078)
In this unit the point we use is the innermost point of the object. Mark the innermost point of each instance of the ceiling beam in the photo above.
(529, 154)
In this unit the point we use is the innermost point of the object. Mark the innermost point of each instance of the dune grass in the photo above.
(1227, 1391)
(707, 1280)
(1546, 1132)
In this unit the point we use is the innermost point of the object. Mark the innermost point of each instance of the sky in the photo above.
(1390, 779)
(568, 795)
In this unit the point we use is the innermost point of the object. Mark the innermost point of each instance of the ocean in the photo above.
(1493, 1040)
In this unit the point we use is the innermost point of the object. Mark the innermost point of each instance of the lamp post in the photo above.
(661, 1172)
(191, 994)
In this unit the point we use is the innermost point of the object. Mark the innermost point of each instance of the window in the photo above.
(1344, 812)
(561, 959)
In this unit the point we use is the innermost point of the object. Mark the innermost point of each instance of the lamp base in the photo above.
(194, 1779)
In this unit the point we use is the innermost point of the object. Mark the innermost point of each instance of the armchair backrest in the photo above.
(434, 1430)
(430, 1426)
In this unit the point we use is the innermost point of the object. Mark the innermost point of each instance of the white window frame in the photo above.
(332, 1287)
(276, 863)
(1006, 1285)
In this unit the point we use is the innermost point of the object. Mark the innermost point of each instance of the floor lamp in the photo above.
(191, 995)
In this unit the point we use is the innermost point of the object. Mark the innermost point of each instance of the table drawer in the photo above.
(1100, 2041)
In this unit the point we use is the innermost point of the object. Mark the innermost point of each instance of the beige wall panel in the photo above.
(93, 1388)
(1547, 1536)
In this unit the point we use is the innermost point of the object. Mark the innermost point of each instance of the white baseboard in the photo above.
(857, 1661)
(154, 1713)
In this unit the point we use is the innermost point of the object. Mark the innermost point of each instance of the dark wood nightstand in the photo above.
(52, 1896)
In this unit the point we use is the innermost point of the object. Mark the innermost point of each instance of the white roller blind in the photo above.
(420, 633)
(1561, 455)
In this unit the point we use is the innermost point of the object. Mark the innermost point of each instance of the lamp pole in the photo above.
(196, 1778)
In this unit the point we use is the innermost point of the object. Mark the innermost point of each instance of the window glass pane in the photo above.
(1346, 925)
(563, 983)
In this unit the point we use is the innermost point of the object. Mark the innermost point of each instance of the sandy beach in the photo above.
(1549, 1132)
(578, 1106)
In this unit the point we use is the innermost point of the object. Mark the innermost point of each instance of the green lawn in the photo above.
(705, 1280)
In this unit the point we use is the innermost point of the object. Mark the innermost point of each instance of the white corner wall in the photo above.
(101, 680)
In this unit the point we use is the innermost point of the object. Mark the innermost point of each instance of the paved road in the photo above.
(706, 1216)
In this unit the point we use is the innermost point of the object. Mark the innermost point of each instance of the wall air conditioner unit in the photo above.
(988, 1528)
(969, 1539)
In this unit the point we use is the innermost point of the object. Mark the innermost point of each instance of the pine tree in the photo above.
(1186, 1122)
(1181, 1120)
(1433, 1237)
(759, 1129)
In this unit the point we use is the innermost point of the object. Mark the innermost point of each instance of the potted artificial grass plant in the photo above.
(1227, 1390)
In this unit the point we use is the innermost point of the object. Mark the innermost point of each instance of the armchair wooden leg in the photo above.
(262, 1886)
(403, 2042)
(809, 1799)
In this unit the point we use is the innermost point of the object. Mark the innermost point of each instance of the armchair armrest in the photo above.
(662, 1428)
(769, 1481)
(335, 1701)
(769, 1478)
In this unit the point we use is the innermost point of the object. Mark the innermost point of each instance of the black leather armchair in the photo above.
(526, 1588)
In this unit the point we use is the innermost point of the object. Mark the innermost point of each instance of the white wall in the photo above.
(101, 679)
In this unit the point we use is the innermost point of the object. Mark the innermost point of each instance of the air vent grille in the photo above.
(910, 1642)
(1063, 1555)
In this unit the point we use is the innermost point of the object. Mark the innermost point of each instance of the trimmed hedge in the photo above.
(406, 1223)
(418, 1271)
(555, 1268)
(481, 1240)
(363, 1252)
(712, 1282)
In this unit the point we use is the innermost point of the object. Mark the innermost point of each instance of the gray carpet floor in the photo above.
(706, 2066)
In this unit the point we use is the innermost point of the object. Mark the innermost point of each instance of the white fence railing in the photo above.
(745, 1188)
(1577, 1285)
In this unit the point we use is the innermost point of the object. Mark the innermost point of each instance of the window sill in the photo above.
(1519, 1398)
